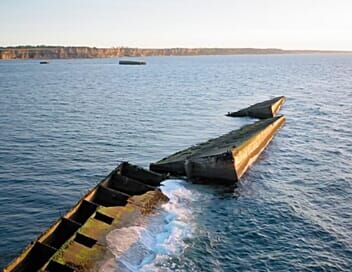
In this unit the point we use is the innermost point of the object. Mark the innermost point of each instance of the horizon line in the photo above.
(163, 48)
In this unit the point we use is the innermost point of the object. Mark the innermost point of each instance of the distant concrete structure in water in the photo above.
(132, 62)
(262, 110)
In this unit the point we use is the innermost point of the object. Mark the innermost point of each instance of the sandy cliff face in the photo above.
(56, 53)
(52, 52)
(92, 52)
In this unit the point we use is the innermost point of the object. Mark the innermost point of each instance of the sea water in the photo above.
(65, 125)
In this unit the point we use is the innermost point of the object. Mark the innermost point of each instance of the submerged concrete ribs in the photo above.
(76, 242)
(224, 159)
(262, 110)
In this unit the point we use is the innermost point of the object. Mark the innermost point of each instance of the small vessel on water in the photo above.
(262, 110)
(44, 62)
(132, 62)
(76, 242)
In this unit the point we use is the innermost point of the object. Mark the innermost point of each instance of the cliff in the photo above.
(57, 52)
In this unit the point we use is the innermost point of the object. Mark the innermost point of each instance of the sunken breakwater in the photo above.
(77, 241)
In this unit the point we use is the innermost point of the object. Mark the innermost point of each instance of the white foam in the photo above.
(140, 248)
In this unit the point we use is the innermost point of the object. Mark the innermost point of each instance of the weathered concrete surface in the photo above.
(76, 242)
(138, 173)
(85, 258)
(223, 159)
(262, 110)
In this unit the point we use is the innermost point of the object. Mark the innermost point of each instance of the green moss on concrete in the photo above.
(83, 258)
(80, 257)
(149, 200)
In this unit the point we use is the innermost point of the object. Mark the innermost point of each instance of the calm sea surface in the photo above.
(65, 125)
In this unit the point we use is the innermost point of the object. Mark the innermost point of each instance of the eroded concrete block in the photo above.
(223, 159)
(262, 110)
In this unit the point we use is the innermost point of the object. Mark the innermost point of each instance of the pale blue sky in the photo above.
(288, 24)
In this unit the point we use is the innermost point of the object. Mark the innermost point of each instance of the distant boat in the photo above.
(44, 62)
(132, 62)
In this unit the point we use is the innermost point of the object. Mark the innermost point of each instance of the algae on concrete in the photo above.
(84, 258)
(76, 242)
(217, 148)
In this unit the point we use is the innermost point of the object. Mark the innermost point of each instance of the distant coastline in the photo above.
(69, 52)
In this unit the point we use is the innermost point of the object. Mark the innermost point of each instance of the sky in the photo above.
(286, 24)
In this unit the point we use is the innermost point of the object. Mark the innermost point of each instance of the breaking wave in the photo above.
(141, 247)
